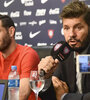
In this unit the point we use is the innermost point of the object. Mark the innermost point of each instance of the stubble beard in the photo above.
(6, 41)
(83, 46)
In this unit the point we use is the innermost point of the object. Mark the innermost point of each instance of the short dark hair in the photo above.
(6, 21)
(76, 9)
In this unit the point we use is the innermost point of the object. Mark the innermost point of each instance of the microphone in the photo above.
(61, 51)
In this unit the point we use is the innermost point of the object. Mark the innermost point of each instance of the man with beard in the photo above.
(11, 53)
(76, 27)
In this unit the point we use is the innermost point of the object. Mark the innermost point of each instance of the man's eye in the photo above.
(66, 28)
(79, 27)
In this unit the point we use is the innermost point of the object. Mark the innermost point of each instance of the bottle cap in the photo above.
(13, 67)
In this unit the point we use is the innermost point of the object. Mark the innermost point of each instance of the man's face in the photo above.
(75, 32)
(5, 39)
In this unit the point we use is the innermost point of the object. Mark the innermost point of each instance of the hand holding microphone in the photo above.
(47, 66)
(59, 52)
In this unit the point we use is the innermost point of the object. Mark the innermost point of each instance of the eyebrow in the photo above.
(78, 24)
(74, 25)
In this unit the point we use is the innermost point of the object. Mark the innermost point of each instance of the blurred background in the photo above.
(37, 21)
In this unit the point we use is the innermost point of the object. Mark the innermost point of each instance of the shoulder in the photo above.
(27, 51)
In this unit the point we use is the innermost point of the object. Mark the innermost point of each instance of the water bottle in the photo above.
(13, 84)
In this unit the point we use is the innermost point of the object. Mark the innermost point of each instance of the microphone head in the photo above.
(61, 50)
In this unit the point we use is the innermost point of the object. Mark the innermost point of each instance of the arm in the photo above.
(24, 89)
(74, 96)
(49, 94)
(61, 88)
(86, 96)
(48, 64)
(29, 61)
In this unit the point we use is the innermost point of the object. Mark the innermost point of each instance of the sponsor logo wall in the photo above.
(37, 21)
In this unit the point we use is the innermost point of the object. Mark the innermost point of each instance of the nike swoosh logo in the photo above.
(6, 4)
(34, 34)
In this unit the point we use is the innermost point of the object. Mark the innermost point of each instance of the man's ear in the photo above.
(11, 31)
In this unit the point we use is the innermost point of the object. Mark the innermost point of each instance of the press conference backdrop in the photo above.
(37, 21)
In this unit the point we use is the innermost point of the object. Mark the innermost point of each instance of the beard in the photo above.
(84, 44)
(5, 43)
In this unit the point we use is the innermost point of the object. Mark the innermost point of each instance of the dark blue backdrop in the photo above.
(37, 21)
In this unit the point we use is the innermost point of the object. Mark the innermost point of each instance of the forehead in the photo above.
(73, 21)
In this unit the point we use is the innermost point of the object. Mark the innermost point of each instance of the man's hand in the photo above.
(60, 87)
(48, 64)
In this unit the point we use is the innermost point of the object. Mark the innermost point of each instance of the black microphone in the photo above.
(61, 51)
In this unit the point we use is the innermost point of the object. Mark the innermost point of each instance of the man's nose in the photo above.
(72, 33)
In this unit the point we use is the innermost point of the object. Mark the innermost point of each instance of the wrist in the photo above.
(58, 97)
(61, 97)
